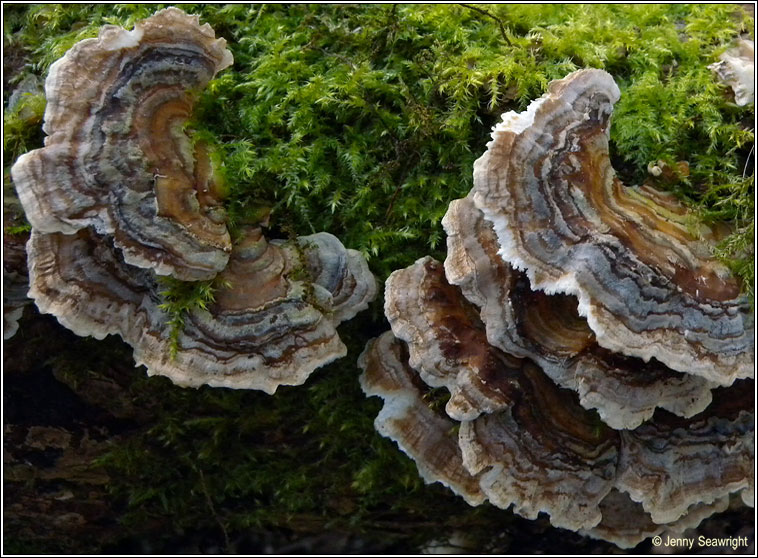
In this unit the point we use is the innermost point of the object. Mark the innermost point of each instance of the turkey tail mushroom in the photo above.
(121, 195)
(549, 330)
(565, 292)
(647, 285)
(427, 436)
(265, 328)
(529, 444)
(116, 156)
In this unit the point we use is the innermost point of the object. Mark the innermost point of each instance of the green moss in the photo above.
(22, 125)
(364, 121)
(182, 297)
(18, 229)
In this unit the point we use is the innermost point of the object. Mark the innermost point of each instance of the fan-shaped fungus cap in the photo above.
(549, 330)
(543, 453)
(427, 436)
(273, 316)
(648, 287)
(116, 156)
(120, 184)
(82, 281)
(446, 340)
(269, 325)
(557, 456)
(266, 328)
(671, 464)
(343, 272)
(528, 455)
(736, 68)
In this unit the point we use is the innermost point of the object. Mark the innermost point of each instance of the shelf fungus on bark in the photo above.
(448, 347)
(736, 68)
(543, 453)
(269, 324)
(122, 195)
(671, 464)
(82, 281)
(549, 330)
(582, 329)
(528, 443)
(117, 157)
(647, 284)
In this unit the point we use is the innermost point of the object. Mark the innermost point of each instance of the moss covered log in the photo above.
(363, 121)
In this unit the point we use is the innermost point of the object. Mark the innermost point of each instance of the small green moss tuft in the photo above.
(21, 125)
(18, 229)
(181, 298)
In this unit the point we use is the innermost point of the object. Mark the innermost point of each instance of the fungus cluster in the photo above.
(597, 357)
(122, 195)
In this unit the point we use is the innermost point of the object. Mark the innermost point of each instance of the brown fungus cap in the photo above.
(344, 273)
(534, 455)
(670, 464)
(543, 453)
(266, 328)
(626, 524)
(82, 280)
(558, 456)
(121, 195)
(648, 286)
(447, 340)
(270, 325)
(116, 156)
(549, 330)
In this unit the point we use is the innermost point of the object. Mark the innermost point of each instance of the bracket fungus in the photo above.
(446, 342)
(428, 437)
(647, 285)
(116, 156)
(736, 68)
(272, 322)
(549, 330)
(266, 327)
(524, 442)
(344, 273)
(598, 359)
(121, 195)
